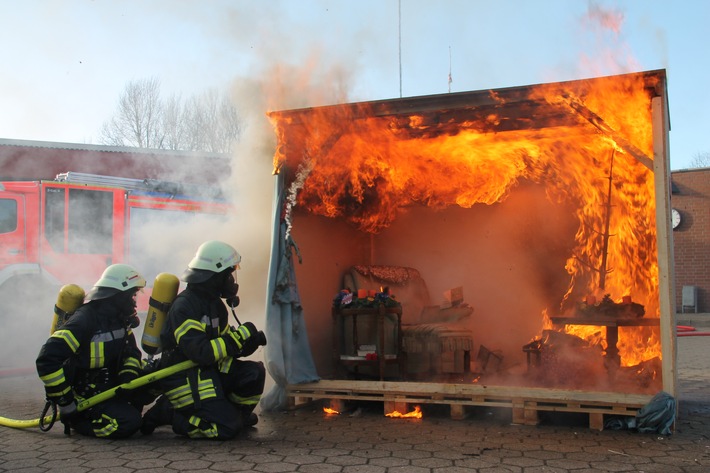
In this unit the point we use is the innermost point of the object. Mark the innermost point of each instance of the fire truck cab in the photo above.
(69, 229)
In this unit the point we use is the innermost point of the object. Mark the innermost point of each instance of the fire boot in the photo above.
(249, 419)
(160, 414)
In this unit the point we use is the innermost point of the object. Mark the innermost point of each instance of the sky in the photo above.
(66, 62)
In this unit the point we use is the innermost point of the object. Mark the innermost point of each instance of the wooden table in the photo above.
(340, 359)
(612, 329)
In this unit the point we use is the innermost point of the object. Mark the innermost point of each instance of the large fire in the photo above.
(589, 143)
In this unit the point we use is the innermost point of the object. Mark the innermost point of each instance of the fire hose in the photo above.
(689, 331)
(99, 398)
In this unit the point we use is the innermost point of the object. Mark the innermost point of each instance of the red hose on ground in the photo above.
(685, 328)
(689, 331)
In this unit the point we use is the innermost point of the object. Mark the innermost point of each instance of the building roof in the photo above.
(107, 149)
(37, 160)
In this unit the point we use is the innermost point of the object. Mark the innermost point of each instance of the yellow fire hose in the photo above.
(101, 397)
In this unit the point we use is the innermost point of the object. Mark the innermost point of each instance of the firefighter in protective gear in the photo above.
(216, 399)
(93, 351)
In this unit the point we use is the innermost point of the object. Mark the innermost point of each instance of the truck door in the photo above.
(82, 231)
(13, 244)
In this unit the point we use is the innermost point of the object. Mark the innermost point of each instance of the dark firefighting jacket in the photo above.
(193, 331)
(93, 351)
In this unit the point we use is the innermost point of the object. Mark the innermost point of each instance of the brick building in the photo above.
(691, 238)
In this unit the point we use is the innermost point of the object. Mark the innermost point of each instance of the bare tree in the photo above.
(228, 126)
(174, 124)
(212, 122)
(208, 122)
(701, 160)
(138, 121)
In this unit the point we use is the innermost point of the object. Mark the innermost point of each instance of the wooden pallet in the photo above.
(526, 403)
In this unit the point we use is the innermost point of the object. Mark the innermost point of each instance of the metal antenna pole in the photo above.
(400, 48)
(450, 78)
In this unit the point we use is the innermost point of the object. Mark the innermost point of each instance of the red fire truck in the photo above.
(68, 230)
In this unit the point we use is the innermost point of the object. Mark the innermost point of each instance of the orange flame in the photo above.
(416, 414)
(330, 411)
(589, 142)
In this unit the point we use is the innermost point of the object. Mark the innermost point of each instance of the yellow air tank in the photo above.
(165, 290)
(69, 299)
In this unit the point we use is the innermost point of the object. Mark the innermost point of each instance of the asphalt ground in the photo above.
(362, 440)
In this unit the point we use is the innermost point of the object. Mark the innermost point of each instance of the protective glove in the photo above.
(251, 344)
(123, 395)
(67, 409)
(149, 366)
(127, 377)
(242, 341)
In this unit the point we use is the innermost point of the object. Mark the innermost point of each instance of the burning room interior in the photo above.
(514, 237)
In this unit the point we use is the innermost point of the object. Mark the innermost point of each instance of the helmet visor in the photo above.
(101, 292)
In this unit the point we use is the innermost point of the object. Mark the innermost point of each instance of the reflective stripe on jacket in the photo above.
(95, 338)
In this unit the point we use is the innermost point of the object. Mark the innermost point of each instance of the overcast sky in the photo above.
(65, 62)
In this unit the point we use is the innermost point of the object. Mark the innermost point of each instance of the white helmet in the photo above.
(211, 257)
(116, 278)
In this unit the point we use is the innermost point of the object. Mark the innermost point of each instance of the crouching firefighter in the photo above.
(216, 399)
(93, 351)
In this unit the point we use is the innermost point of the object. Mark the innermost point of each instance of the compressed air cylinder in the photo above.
(69, 299)
(165, 290)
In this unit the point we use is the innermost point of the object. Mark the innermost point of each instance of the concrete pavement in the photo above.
(364, 441)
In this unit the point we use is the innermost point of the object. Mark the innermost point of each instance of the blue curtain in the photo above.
(288, 354)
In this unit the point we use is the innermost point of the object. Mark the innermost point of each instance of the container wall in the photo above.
(328, 247)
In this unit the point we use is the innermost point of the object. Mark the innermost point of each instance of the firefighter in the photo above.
(216, 399)
(93, 351)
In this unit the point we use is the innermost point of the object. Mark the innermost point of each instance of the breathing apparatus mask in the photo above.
(229, 288)
(126, 303)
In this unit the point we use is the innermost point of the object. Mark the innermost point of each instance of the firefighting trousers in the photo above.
(112, 419)
(216, 403)
(243, 382)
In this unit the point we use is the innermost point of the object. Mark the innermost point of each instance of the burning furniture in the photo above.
(611, 315)
(532, 198)
(436, 340)
(372, 318)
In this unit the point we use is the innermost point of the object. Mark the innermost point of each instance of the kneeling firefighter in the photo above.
(217, 398)
(93, 351)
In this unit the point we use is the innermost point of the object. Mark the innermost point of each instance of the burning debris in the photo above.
(562, 360)
(551, 350)
(608, 308)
